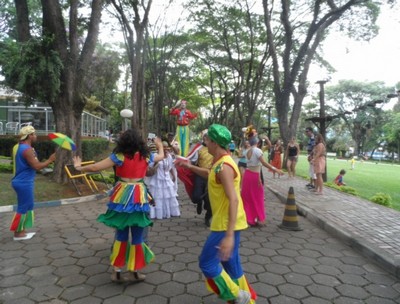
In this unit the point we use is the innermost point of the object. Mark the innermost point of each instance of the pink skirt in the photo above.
(253, 197)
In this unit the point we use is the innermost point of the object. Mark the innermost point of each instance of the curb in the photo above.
(56, 203)
(380, 257)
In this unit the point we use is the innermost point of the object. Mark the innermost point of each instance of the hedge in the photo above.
(45, 147)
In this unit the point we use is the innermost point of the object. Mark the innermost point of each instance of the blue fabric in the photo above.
(129, 208)
(311, 144)
(25, 195)
(24, 179)
(136, 232)
(210, 263)
(23, 171)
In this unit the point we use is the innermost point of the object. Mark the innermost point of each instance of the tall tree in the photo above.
(363, 100)
(133, 17)
(228, 44)
(295, 30)
(49, 61)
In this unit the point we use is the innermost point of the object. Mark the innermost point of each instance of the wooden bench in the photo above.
(331, 154)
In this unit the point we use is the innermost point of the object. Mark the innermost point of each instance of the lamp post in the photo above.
(269, 128)
(125, 113)
(321, 121)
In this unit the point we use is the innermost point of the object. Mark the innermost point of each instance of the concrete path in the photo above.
(68, 260)
(372, 229)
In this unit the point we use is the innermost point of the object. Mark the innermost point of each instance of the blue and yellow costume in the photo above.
(225, 278)
(128, 210)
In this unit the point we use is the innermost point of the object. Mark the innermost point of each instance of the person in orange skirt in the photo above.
(276, 158)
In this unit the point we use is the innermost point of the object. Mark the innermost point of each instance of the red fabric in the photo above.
(187, 178)
(213, 286)
(121, 257)
(139, 257)
(184, 119)
(137, 194)
(133, 168)
(15, 222)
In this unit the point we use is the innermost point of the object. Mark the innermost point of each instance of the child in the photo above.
(162, 187)
(339, 179)
(353, 162)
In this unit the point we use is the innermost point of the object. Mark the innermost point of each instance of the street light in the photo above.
(125, 113)
(269, 128)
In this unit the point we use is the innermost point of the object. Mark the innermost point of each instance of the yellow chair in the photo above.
(75, 175)
(90, 174)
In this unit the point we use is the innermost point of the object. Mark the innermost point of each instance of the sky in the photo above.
(376, 60)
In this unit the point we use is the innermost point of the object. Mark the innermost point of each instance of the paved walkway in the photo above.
(67, 261)
(372, 229)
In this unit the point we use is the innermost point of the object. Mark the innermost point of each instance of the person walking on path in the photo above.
(232, 147)
(242, 164)
(162, 187)
(292, 154)
(26, 164)
(318, 162)
(128, 207)
(252, 187)
(310, 147)
(276, 158)
(219, 259)
(203, 159)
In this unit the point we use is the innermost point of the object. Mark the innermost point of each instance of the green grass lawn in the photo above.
(367, 178)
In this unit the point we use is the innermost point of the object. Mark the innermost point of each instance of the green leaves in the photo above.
(32, 68)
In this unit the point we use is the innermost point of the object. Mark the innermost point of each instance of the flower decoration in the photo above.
(250, 132)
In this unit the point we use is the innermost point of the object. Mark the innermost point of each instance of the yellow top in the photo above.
(218, 199)
(205, 159)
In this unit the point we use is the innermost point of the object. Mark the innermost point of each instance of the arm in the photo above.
(160, 148)
(298, 150)
(191, 115)
(174, 111)
(32, 160)
(226, 177)
(99, 166)
(317, 152)
(203, 172)
(269, 166)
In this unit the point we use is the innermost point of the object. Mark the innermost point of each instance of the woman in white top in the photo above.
(252, 187)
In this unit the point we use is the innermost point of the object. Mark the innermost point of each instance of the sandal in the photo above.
(134, 277)
(116, 277)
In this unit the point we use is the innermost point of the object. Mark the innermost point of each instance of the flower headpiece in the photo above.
(249, 131)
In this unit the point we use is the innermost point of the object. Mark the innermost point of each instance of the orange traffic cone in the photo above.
(290, 221)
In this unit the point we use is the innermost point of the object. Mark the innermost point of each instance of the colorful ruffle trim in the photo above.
(20, 222)
(130, 197)
(135, 257)
(120, 220)
(228, 289)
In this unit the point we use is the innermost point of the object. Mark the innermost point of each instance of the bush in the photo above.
(382, 199)
(345, 189)
(6, 168)
(93, 147)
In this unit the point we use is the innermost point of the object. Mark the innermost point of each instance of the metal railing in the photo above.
(42, 119)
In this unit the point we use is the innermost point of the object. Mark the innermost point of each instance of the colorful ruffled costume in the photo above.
(128, 210)
(224, 278)
(182, 129)
(23, 184)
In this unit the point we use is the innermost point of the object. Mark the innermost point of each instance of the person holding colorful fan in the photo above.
(129, 204)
